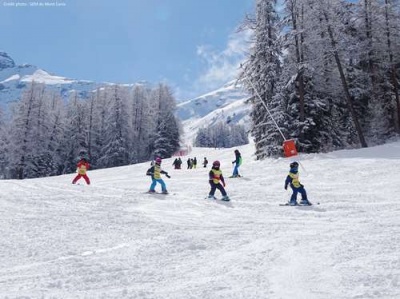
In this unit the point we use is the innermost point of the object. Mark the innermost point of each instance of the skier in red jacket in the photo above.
(82, 166)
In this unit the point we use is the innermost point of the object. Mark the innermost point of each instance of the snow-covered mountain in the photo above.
(111, 240)
(15, 78)
(226, 104)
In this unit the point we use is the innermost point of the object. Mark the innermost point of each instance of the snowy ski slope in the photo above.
(110, 240)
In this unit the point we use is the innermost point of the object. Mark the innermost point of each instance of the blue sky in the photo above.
(189, 44)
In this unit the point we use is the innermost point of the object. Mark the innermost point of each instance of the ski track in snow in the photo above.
(110, 240)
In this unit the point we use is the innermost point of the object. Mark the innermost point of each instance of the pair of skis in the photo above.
(297, 205)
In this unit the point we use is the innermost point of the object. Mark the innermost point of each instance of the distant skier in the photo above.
(215, 180)
(82, 167)
(189, 163)
(205, 162)
(155, 172)
(179, 163)
(195, 162)
(237, 162)
(293, 180)
(176, 163)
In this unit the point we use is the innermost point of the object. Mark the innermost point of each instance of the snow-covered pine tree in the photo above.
(143, 123)
(97, 107)
(262, 71)
(22, 130)
(334, 16)
(391, 12)
(221, 135)
(4, 141)
(306, 82)
(166, 140)
(203, 138)
(56, 130)
(45, 132)
(115, 151)
(75, 132)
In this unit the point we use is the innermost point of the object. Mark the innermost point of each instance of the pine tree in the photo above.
(4, 141)
(166, 139)
(261, 73)
(75, 133)
(116, 148)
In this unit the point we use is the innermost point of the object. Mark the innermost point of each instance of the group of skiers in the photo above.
(177, 163)
(215, 177)
(191, 163)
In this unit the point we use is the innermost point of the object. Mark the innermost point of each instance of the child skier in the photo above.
(293, 180)
(82, 167)
(215, 180)
(205, 162)
(237, 162)
(155, 172)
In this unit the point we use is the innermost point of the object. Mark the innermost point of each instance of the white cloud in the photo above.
(223, 66)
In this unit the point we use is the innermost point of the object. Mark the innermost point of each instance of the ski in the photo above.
(217, 199)
(156, 193)
(298, 205)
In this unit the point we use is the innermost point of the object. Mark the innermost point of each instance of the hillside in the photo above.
(110, 240)
(226, 104)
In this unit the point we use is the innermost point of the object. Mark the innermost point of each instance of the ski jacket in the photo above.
(205, 162)
(238, 160)
(82, 166)
(293, 179)
(215, 176)
(155, 171)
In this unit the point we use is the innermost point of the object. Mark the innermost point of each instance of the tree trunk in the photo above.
(393, 67)
(21, 164)
(345, 85)
(300, 78)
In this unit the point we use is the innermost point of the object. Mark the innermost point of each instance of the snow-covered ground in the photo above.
(110, 240)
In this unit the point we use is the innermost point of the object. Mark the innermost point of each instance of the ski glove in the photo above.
(285, 187)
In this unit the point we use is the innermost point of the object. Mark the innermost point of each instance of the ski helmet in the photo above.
(216, 164)
(294, 165)
(158, 160)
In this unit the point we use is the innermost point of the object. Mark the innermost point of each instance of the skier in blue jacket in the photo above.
(293, 180)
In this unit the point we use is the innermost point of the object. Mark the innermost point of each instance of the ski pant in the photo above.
(81, 176)
(300, 190)
(154, 183)
(236, 170)
(217, 186)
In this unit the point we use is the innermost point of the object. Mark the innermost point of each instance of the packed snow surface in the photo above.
(111, 240)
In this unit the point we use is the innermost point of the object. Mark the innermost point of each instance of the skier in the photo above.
(179, 163)
(194, 162)
(205, 162)
(155, 172)
(215, 180)
(82, 167)
(189, 163)
(176, 163)
(237, 162)
(293, 180)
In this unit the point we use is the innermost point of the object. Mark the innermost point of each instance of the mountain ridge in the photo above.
(226, 104)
